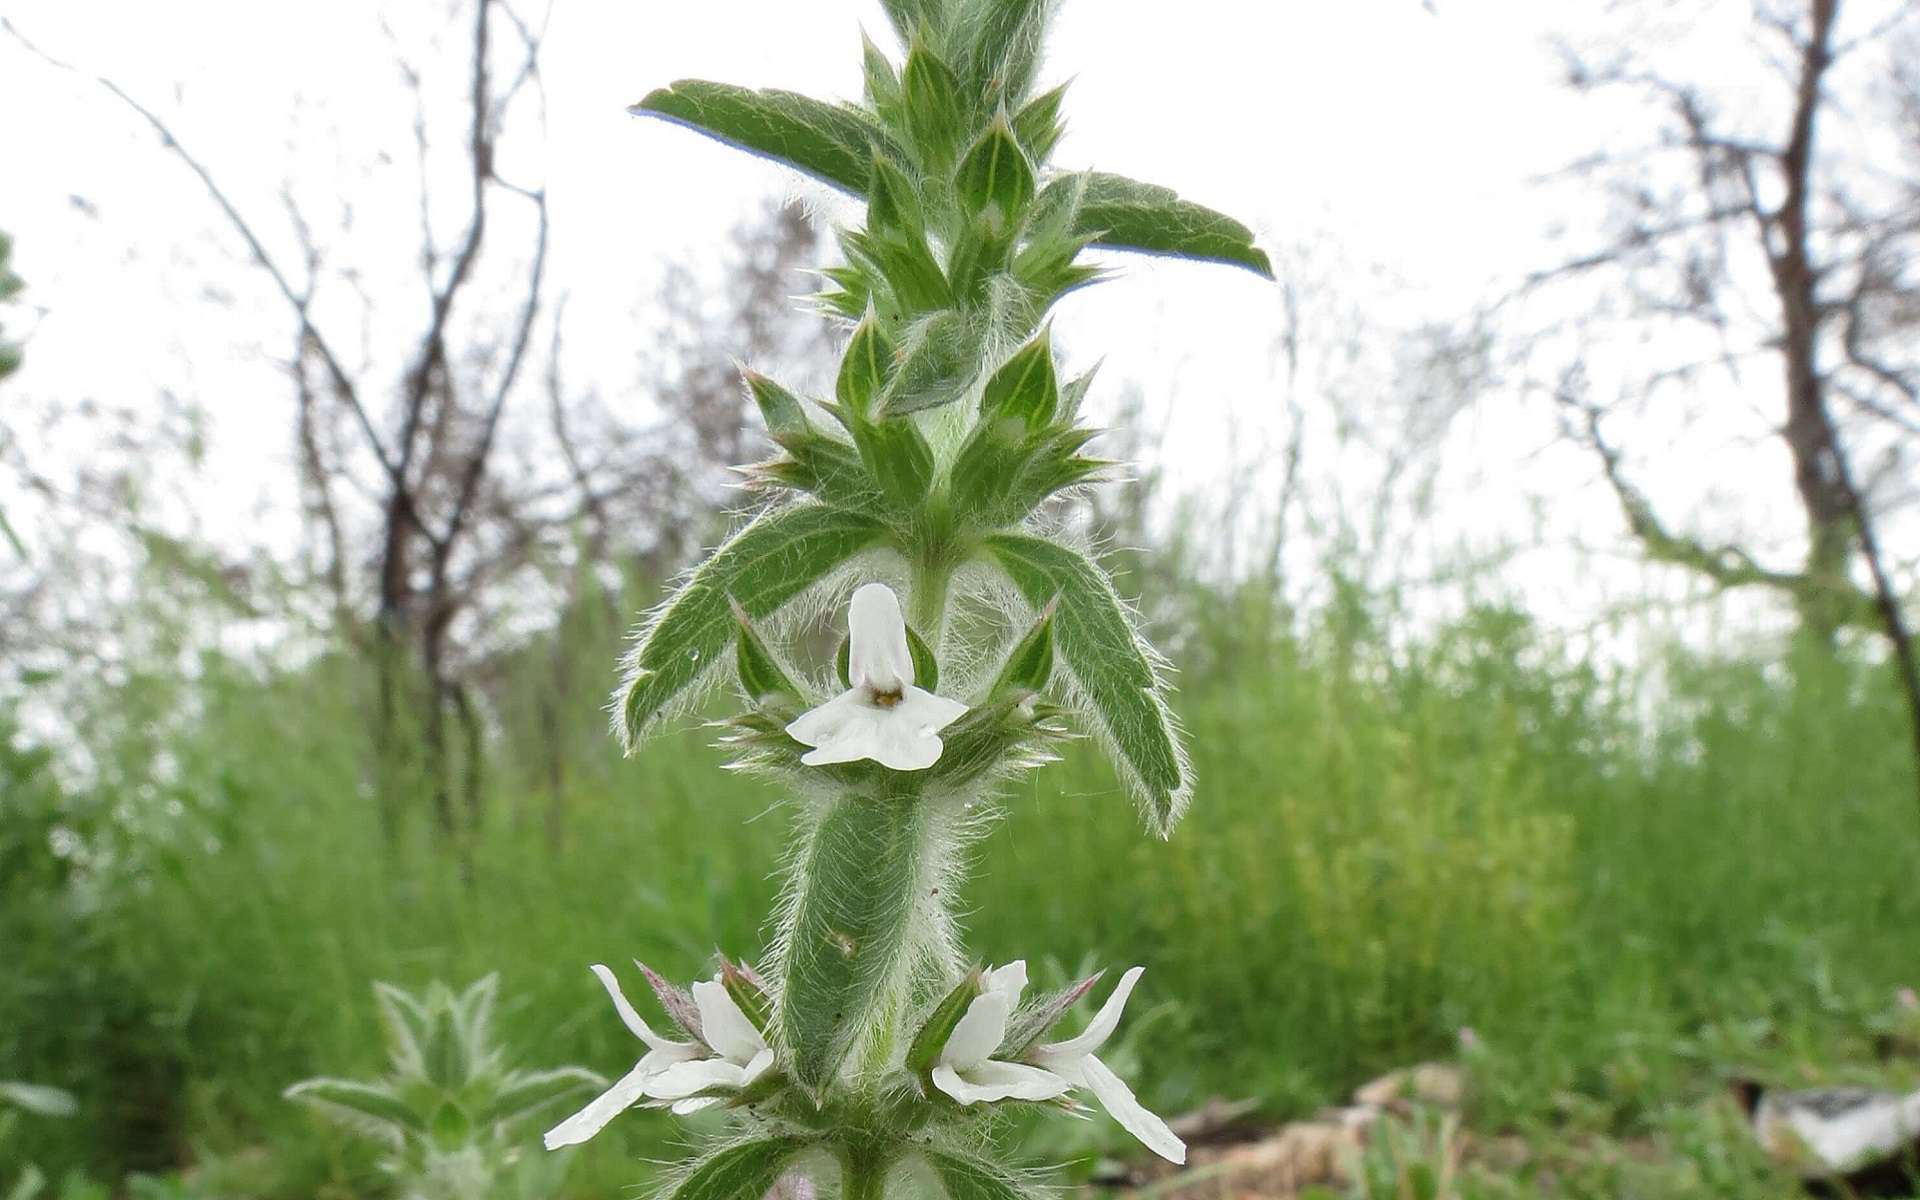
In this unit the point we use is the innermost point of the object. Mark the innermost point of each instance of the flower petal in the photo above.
(830, 721)
(923, 710)
(978, 1032)
(624, 1094)
(995, 1080)
(725, 1027)
(693, 1104)
(877, 653)
(685, 1079)
(1010, 979)
(903, 745)
(1117, 1098)
(632, 1020)
(1096, 1034)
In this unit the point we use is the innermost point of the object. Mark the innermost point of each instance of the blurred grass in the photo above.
(1390, 841)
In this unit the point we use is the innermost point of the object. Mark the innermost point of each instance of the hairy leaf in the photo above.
(1126, 214)
(774, 558)
(829, 141)
(527, 1092)
(352, 1099)
(850, 924)
(745, 1171)
(967, 1178)
(1115, 684)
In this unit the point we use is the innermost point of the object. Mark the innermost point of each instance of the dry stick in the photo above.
(1885, 598)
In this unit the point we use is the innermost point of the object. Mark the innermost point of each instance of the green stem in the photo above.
(863, 1176)
(931, 582)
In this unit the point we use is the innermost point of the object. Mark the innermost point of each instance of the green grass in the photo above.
(1387, 844)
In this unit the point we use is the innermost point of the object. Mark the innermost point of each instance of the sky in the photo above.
(1390, 154)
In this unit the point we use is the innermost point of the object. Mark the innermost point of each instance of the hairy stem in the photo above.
(863, 1176)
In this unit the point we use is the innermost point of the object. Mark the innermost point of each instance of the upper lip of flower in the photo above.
(882, 715)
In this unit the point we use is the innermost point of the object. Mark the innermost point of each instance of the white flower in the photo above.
(734, 1055)
(883, 716)
(966, 1069)
(1073, 1061)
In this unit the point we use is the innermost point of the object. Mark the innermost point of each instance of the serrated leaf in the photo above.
(995, 177)
(774, 558)
(526, 1093)
(964, 1177)
(744, 1171)
(850, 924)
(1115, 685)
(351, 1098)
(1125, 214)
(828, 141)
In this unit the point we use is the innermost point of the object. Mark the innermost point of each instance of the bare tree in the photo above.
(422, 446)
(1749, 231)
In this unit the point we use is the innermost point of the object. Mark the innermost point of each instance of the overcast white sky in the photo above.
(1391, 149)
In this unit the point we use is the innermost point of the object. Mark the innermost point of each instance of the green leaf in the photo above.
(967, 1178)
(1003, 47)
(1038, 125)
(829, 141)
(353, 1099)
(406, 1022)
(893, 203)
(864, 369)
(936, 115)
(1114, 681)
(1024, 387)
(525, 1093)
(938, 363)
(851, 920)
(773, 559)
(1126, 214)
(995, 177)
(939, 1025)
(761, 676)
(882, 82)
(1030, 665)
(748, 995)
(447, 1059)
(739, 1172)
(784, 414)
